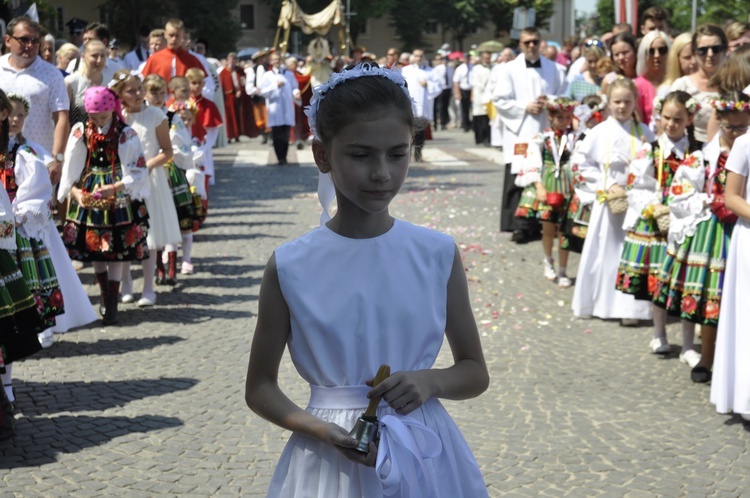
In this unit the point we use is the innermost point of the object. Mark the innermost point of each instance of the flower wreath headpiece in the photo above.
(183, 105)
(358, 71)
(133, 74)
(561, 104)
(691, 105)
(584, 112)
(22, 100)
(730, 105)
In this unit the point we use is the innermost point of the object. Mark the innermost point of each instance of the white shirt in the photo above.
(461, 76)
(280, 99)
(43, 86)
(479, 77)
(132, 60)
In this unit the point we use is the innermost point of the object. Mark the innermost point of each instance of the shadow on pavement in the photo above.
(104, 347)
(37, 398)
(39, 441)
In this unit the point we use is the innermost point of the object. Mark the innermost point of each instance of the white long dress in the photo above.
(164, 226)
(353, 307)
(612, 143)
(33, 193)
(730, 385)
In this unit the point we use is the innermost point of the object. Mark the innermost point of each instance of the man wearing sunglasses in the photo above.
(522, 88)
(23, 72)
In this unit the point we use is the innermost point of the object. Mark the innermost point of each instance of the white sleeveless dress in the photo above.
(164, 225)
(356, 304)
(730, 385)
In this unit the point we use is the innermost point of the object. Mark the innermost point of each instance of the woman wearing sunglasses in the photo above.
(709, 46)
(651, 68)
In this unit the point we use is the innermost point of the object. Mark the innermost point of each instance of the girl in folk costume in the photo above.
(547, 181)
(606, 154)
(692, 278)
(591, 112)
(363, 122)
(20, 319)
(182, 160)
(26, 181)
(150, 123)
(105, 174)
(730, 386)
(78, 310)
(649, 195)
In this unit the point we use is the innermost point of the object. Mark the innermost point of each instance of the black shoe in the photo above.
(265, 140)
(700, 375)
(518, 236)
(300, 146)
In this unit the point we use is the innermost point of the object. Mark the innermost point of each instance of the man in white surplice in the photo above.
(423, 88)
(524, 84)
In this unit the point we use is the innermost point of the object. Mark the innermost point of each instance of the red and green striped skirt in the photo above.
(690, 282)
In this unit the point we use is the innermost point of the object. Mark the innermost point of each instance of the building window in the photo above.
(431, 28)
(247, 16)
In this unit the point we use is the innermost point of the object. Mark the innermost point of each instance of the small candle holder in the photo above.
(366, 429)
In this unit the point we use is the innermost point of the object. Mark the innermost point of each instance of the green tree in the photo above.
(460, 18)
(209, 20)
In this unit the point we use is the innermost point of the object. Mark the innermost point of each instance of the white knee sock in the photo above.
(127, 280)
(149, 271)
(688, 335)
(187, 247)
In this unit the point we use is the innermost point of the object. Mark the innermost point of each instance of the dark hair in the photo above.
(144, 30)
(655, 13)
(203, 41)
(5, 128)
(101, 30)
(682, 98)
(734, 74)
(530, 30)
(708, 30)
(362, 96)
(626, 38)
(10, 29)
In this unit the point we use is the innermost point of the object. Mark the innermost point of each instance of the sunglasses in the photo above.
(531, 42)
(594, 43)
(25, 40)
(716, 49)
(662, 51)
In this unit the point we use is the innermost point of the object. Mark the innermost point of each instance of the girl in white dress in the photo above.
(78, 309)
(363, 290)
(150, 123)
(606, 153)
(730, 385)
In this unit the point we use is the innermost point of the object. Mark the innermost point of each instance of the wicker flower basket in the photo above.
(661, 216)
(617, 202)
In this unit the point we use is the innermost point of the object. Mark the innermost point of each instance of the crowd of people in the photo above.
(105, 162)
(631, 151)
(635, 154)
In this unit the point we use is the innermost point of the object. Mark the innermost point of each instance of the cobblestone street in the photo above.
(155, 406)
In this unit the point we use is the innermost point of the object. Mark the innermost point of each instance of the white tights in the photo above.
(187, 247)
